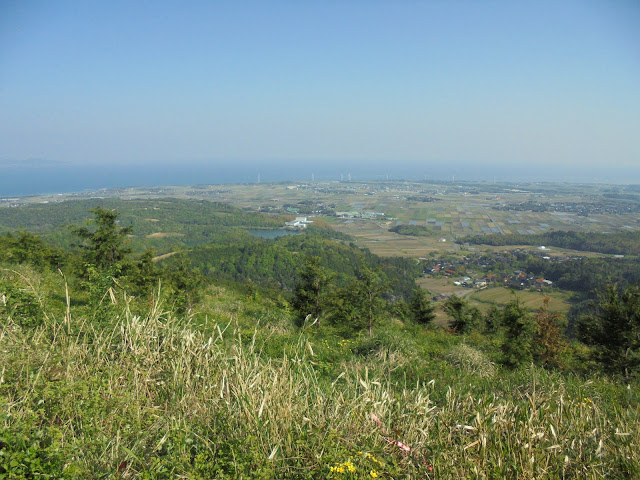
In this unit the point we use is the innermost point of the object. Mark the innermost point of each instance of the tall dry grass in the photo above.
(156, 397)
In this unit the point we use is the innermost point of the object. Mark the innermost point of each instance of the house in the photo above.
(299, 222)
(348, 214)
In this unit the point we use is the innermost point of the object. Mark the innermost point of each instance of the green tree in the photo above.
(614, 330)
(104, 244)
(519, 335)
(27, 248)
(144, 275)
(104, 256)
(310, 290)
(183, 284)
(360, 304)
(492, 319)
(463, 316)
(421, 308)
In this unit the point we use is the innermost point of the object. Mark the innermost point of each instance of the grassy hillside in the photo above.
(233, 390)
(116, 366)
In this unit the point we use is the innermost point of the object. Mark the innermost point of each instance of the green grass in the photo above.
(235, 391)
(532, 301)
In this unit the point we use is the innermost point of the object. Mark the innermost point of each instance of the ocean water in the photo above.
(23, 179)
(17, 180)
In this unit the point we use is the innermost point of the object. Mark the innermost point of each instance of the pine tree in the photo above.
(144, 275)
(361, 303)
(519, 335)
(309, 293)
(614, 329)
(464, 317)
(104, 245)
(104, 254)
(421, 308)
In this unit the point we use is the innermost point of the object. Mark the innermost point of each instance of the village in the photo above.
(488, 269)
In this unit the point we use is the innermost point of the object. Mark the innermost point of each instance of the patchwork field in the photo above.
(445, 211)
(533, 301)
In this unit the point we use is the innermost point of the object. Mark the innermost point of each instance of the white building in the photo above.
(299, 222)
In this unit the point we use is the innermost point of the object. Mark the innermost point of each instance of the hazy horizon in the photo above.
(548, 91)
(50, 178)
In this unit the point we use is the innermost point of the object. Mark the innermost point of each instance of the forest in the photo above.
(618, 243)
(413, 230)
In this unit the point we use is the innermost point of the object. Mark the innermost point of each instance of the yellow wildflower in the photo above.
(373, 474)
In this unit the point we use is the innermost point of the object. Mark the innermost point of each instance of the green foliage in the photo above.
(104, 244)
(421, 308)
(144, 275)
(614, 330)
(492, 319)
(413, 230)
(327, 233)
(519, 335)
(27, 451)
(19, 304)
(624, 243)
(27, 248)
(159, 396)
(275, 263)
(360, 304)
(168, 222)
(463, 317)
(182, 283)
(309, 297)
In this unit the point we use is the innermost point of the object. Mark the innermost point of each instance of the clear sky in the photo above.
(361, 81)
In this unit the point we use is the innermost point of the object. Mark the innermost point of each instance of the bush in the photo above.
(19, 305)
(470, 360)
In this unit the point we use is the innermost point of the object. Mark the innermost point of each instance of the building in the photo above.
(299, 222)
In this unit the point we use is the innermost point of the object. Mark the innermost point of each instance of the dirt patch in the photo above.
(164, 235)
(162, 257)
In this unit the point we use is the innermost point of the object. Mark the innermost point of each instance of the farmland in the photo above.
(443, 212)
(448, 211)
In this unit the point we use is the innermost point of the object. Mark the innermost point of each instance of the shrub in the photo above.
(470, 360)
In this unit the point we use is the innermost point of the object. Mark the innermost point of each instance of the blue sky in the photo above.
(360, 82)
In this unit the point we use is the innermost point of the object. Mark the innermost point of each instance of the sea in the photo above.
(39, 178)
